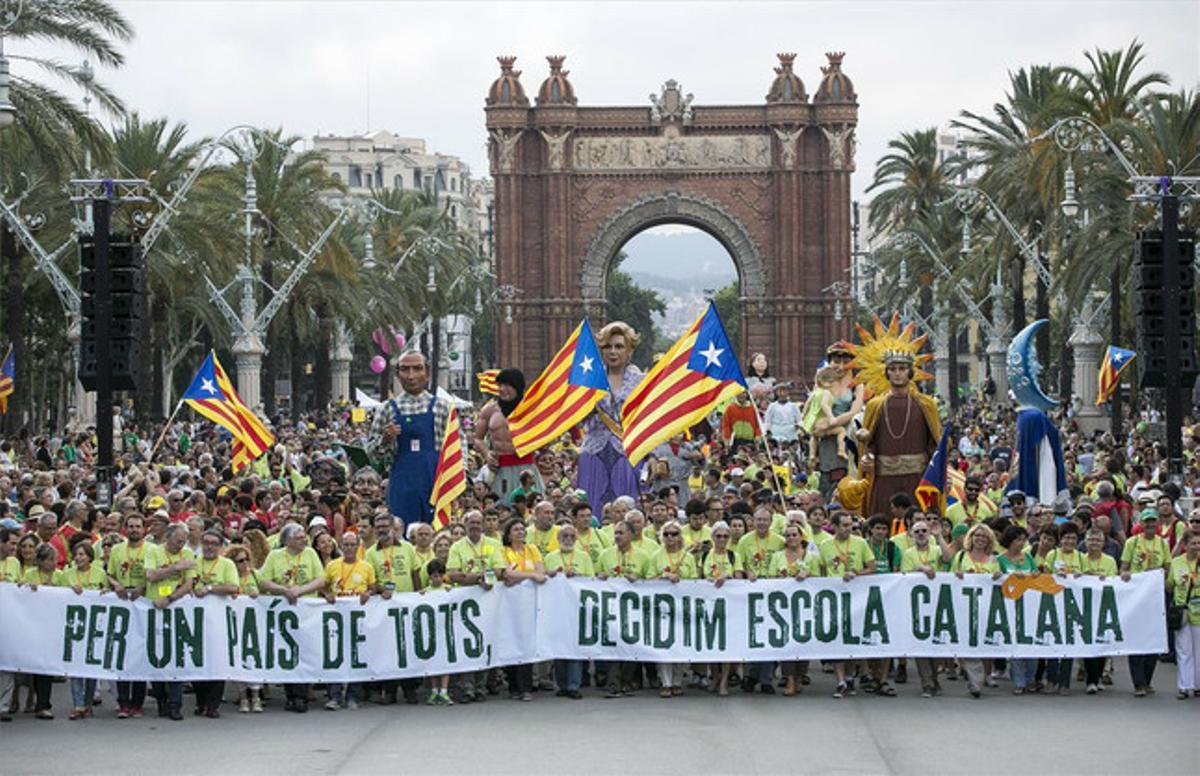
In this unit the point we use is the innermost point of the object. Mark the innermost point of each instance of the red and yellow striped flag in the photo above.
(450, 479)
(213, 396)
(699, 370)
(563, 395)
(8, 376)
(487, 382)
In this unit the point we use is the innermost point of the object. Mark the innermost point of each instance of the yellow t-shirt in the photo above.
(128, 565)
(475, 558)
(614, 563)
(349, 579)
(782, 567)
(756, 552)
(93, 579)
(576, 561)
(1143, 554)
(914, 558)
(545, 541)
(35, 576)
(157, 557)
(721, 565)
(682, 563)
(838, 557)
(218, 571)
(10, 571)
(592, 542)
(692, 536)
(1059, 561)
(395, 565)
(523, 560)
(283, 568)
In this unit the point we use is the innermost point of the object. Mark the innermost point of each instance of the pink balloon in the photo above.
(380, 340)
(400, 342)
(378, 364)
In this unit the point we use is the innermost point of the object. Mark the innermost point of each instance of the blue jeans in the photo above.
(169, 695)
(568, 674)
(762, 673)
(82, 691)
(344, 692)
(1022, 670)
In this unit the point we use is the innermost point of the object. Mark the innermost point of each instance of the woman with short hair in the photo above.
(523, 561)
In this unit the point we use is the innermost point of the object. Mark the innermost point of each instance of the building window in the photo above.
(367, 180)
(454, 184)
(398, 182)
(355, 179)
(454, 211)
(337, 177)
(416, 177)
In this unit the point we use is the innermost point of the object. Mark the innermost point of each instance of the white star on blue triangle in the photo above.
(204, 384)
(583, 362)
(713, 353)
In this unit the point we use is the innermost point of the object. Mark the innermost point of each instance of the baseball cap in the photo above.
(737, 471)
(959, 530)
(318, 522)
(154, 502)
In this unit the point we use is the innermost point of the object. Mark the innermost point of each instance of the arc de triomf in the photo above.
(770, 181)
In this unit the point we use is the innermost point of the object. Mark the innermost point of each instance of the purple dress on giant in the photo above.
(604, 470)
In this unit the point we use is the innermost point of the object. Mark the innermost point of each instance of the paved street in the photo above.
(1110, 733)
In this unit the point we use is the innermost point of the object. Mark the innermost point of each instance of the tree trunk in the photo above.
(435, 351)
(297, 372)
(952, 358)
(14, 327)
(158, 334)
(322, 377)
(1018, 300)
(1042, 312)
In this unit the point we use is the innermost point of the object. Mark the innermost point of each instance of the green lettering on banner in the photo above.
(1077, 617)
(875, 628)
(664, 601)
(231, 635)
(424, 632)
(778, 633)
(826, 609)
(75, 625)
(589, 625)
(356, 637)
(158, 638)
(1109, 619)
(449, 612)
(646, 627)
(1022, 636)
(270, 641)
(687, 621)
(754, 618)
(629, 604)
(473, 646)
(331, 641)
(95, 633)
(189, 637)
(1048, 630)
(398, 623)
(608, 617)
(920, 597)
(945, 625)
(288, 656)
(115, 646)
(998, 631)
(973, 594)
(252, 654)
(848, 636)
(712, 629)
(801, 617)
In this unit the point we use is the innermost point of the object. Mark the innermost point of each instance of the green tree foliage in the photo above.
(729, 306)
(637, 307)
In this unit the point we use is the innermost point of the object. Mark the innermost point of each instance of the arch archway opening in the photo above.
(663, 275)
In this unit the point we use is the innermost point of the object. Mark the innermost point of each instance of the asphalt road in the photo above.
(698, 733)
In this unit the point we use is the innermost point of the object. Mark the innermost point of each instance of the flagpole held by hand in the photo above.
(166, 428)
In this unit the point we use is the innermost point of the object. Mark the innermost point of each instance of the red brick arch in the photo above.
(771, 182)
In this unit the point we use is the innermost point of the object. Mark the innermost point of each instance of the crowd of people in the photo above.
(744, 496)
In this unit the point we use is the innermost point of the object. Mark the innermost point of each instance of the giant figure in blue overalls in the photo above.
(407, 430)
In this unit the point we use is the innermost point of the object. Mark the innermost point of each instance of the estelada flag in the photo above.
(487, 382)
(450, 478)
(699, 371)
(932, 489)
(8, 379)
(1115, 361)
(213, 396)
(563, 394)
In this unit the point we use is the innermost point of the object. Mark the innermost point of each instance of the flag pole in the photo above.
(166, 428)
(762, 428)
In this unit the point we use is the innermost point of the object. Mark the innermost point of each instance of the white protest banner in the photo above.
(887, 615)
(54, 631)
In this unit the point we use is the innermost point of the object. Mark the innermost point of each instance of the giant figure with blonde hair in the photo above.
(604, 470)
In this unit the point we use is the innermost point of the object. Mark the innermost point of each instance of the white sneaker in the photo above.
(331, 705)
(244, 706)
(1092, 689)
(351, 704)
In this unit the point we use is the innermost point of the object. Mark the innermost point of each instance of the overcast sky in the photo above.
(422, 69)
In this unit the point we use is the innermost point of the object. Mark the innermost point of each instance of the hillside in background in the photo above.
(680, 263)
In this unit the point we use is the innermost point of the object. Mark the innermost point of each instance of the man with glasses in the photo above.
(928, 558)
(1017, 507)
(974, 507)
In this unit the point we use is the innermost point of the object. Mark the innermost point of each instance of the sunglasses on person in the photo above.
(920, 530)
(671, 533)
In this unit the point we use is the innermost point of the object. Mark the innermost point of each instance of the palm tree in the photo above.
(914, 180)
(55, 125)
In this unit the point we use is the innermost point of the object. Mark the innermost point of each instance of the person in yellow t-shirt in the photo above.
(10, 564)
(170, 572)
(1065, 559)
(847, 556)
(570, 561)
(393, 559)
(672, 562)
(1184, 584)
(347, 577)
(292, 571)
(127, 563)
(214, 575)
(622, 559)
(587, 538)
(1096, 563)
(759, 545)
(697, 534)
(83, 574)
(1146, 551)
(543, 533)
(522, 562)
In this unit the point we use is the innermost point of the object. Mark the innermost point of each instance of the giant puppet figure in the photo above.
(901, 428)
(1040, 472)
(493, 440)
(604, 470)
